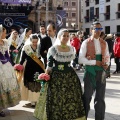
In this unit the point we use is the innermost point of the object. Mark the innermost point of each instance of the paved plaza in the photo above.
(25, 112)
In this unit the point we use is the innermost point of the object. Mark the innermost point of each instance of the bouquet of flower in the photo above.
(15, 51)
(18, 67)
(42, 78)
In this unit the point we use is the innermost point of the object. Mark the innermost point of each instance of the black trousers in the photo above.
(117, 61)
(99, 102)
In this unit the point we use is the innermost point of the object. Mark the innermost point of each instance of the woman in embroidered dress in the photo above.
(13, 42)
(23, 39)
(62, 96)
(9, 88)
(29, 88)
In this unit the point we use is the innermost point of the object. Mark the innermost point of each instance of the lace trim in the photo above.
(64, 56)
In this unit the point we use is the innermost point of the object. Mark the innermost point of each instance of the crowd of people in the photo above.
(59, 55)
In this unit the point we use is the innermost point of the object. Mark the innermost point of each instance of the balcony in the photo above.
(86, 19)
(96, 16)
(118, 14)
(107, 15)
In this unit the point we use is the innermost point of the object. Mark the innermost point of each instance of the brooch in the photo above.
(60, 67)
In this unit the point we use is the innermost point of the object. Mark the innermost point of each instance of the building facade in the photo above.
(107, 12)
(72, 14)
(43, 13)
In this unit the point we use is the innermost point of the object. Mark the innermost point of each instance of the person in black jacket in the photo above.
(47, 42)
(30, 88)
(42, 32)
(109, 40)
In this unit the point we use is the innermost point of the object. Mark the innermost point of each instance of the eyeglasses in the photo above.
(96, 29)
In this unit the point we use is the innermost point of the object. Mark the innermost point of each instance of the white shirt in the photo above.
(42, 35)
(53, 40)
(83, 50)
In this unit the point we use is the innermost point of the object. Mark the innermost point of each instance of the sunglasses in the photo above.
(96, 29)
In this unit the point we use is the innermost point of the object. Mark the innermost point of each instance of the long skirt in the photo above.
(9, 88)
(27, 94)
(61, 99)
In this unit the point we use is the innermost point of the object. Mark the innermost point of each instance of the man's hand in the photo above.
(99, 63)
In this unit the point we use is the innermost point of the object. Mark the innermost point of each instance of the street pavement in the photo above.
(24, 112)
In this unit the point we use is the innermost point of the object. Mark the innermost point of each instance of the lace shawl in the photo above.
(4, 48)
(28, 50)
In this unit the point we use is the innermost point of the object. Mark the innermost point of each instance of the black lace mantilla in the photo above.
(33, 86)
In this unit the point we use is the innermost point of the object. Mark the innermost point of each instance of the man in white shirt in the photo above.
(94, 55)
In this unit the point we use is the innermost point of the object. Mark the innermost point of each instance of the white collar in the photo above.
(94, 38)
(53, 37)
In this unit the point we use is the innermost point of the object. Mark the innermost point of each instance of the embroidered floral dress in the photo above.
(9, 88)
(62, 97)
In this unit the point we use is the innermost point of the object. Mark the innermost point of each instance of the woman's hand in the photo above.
(47, 71)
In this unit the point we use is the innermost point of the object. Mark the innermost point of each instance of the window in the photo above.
(59, 7)
(87, 16)
(73, 3)
(107, 30)
(118, 12)
(107, 14)
(107, 0)
(96, 1)
(67, 15)
(65, 3)
(108, 8)
(118, 6)
(118, 28)
(87, 3)
(67, 24)
(97, 12)
(73, 14)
